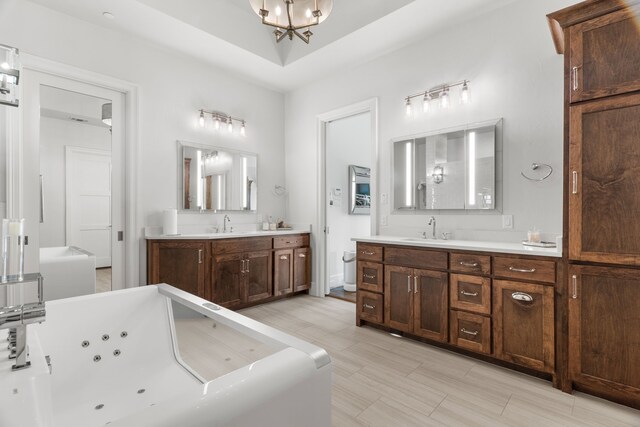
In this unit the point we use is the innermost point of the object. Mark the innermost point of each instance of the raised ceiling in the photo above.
(228, 34)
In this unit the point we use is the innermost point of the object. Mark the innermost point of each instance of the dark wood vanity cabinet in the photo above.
(301, 269)
(283, 272)
(180, 263)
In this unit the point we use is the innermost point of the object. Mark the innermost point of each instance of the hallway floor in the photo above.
(380, 380)
(103, 280)
(340, 293)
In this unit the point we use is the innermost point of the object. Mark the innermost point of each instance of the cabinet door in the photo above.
(604, 182)
(430, 309)
(301, 269)
(227, 283)
(398, 297)
(604, 56)
(283, 272)
(604, 330)
(182, 264)
(257, 276)
(523, 324)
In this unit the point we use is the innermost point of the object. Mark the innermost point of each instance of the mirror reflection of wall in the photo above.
(217, 179)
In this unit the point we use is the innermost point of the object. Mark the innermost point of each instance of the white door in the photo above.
(88, 201)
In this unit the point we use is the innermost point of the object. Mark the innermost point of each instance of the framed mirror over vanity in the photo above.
(216, 179)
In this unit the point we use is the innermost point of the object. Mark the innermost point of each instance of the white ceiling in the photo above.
(228, 34)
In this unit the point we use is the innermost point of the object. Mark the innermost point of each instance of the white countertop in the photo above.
(464, 245)
(230, 235)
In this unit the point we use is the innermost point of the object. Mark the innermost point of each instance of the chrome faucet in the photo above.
(225, 220)
(17, 317)
(432, 223)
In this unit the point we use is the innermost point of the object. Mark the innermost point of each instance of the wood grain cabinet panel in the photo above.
(604, 164)
(604, 56)
(524, 269)
(471, 293)
(258, 276)
(283, 272)
(370, 307)
(604, 331)
(471, 263)
(398, 301)
(301, 269)
(523, 324)
(471, 331)
(416, 258)
(227, 280)
(369, 276)
(430, 300)
(369, 252)
(179, 263)
(290, 241)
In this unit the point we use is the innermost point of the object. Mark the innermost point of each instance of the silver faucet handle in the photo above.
(424, 234)
(446, 235)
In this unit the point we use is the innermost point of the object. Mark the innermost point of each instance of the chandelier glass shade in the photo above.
(292, 17)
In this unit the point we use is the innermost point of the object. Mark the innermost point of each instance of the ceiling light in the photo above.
(108, 15)
(243, 131)
(9, 75)
(441, 93)
(297, 18)
(407, 106)
(201, 119)
(107, 113)
(464, 93)
(219, 119)
(230, 125)
(217, 123)
(444, 98)
(425, 102)
(5, 66)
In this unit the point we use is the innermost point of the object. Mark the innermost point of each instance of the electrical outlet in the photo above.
(383, 220)
(507, 221)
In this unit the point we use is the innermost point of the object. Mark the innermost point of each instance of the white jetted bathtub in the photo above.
(68, 271)
(158, 356)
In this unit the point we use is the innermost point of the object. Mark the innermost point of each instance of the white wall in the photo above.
(348, 142)
(3, 163)
(55, 135)
(515, 73)
(172, 88)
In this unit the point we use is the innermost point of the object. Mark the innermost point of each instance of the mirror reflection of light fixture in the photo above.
(107, 113)
(219, 119)
(9, 75)
(438, 174)
(441, 94)
(305, 14)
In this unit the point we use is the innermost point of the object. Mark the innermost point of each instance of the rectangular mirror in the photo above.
(216, 179)
(452, 169)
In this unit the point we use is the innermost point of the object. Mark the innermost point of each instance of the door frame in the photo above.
(130, 147)
(367, 106)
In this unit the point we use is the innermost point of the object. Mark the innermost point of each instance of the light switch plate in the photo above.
(507, 221)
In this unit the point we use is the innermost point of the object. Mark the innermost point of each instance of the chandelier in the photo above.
(291, 17)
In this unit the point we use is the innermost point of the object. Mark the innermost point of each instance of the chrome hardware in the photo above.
(464, 331)
(574, 77)
(98, 407)
(368, 276)
(141, 391)
(370, 307)
(367, 253)
(521, 296)
(575, 182)
(468, 264)
(243, 269)
(247, 266)
(116, 352)
(445, 235)
(85, 344)
(415, 284)
(574, 279)
(409, 283)
(97, 358)
(200, 256)
(432, 223)
(469, 294)
(283, 257)
(522, 270)
(225, 220)
(124, 334)
(105, 337)
(302, 255)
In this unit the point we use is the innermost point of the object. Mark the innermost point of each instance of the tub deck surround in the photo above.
(489, 300)
(119, 359)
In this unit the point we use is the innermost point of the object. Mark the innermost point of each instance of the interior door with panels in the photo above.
(604, 198)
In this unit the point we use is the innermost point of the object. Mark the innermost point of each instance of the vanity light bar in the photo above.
(219, 119)
(440, 93)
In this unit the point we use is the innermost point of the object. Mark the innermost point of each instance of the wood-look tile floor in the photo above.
(103, 280)
(380, 380)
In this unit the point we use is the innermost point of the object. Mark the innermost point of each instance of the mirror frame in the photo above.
(180, 172)
(498, 172)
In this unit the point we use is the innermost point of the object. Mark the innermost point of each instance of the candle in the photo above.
(534, 236)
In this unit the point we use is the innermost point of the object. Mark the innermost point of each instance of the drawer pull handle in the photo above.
(521, 296)
(302, 255)
(468, 264)
(369, 276)
(522, 270)
(464, 331)
(409, 283)
(370, 307)
(574, 279)
(368, 253)
(199, 256)
(283, 257)
(574, 182)
(243, 270)
(415, 284)
(574, 76)
(469, 294)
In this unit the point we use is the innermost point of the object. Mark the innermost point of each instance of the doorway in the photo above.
(348, 141)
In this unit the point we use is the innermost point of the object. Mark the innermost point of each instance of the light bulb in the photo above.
(408, 106)
(5, 65)
(308, 13)
(444, 98)
(216, 123)
(278, 10)
(201, 120)
(464, 94)
(242, 129)
(425, 103)
(230, 126)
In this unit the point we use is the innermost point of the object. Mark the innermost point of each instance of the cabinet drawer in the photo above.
(416, 258)
(370, 306)
(527, 269)
(470, 331)
(474, 264)
(247, 244)
(370, 277)
(291, 241)
(369, 252)
(471, 293)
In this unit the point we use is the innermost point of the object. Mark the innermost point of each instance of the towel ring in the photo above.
(535, 166)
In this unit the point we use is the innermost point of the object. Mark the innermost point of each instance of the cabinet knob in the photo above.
(521, 296)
